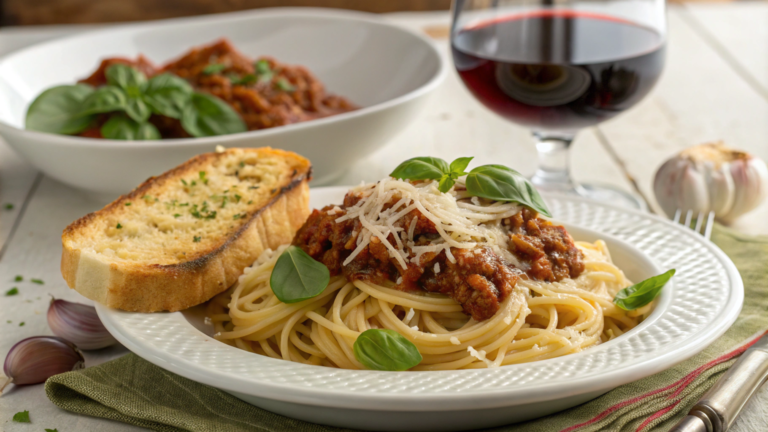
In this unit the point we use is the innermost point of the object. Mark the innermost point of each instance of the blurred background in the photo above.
(42, 12)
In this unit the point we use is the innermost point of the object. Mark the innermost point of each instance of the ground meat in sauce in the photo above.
(479, 280)
(548, 247)
(262, 103)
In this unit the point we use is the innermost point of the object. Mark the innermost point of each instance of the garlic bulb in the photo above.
(78, 323)
(35, 359)
(711, 177)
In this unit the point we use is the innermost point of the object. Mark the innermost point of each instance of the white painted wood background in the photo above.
(715, 87)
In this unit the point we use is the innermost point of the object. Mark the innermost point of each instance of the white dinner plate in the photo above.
(702, 301)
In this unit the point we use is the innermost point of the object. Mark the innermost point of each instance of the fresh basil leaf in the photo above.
(57, 110)
(138, 110)
(207, 115)
(459, 165)
(642, 293)
(125, 77)
(214, 68)
(122, 127)
(243, 80)
(421, 168)
(167, 94)
(104, 99)
(21, 417)
(263, 71)
(297, 276)
(384, 349)
(499, 183)
(446, 183)
(284, 85)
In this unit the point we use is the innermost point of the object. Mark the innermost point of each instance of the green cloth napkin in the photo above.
(134, 391)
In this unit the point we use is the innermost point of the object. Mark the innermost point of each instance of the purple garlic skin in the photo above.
(711, 177)
(35, 359)
(78, 323)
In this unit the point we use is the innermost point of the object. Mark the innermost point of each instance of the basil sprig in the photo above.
(642, 293)
(130, 99)
(384, 349)
(495, 182)
(297, 276)
(57, 110)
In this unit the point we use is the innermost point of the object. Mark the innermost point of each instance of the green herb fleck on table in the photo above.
(37, 281)
(12, 292)
(214, 68)
(51, 430)
(21, 417)
(196, 239)
(119, 226)
(9, 206)
(18, 278)
(21, 324)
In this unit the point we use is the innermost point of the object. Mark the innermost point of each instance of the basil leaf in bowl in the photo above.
(500, 183)
(207, 115)
(125, 77)
(167, 94)
(57, 110)
(384, 349)
(122, 127)
(103, 100)
(297, 276)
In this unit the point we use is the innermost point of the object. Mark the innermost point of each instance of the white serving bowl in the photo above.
(386, 69)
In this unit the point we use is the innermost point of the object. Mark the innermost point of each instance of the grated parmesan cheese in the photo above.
(455, 340)
(208, 321)
(437, 268)
(508, 320)
(480, 355)
(409, 315)
(460, 224)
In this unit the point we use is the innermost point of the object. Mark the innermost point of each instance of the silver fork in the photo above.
(718, 408)
(710, 221)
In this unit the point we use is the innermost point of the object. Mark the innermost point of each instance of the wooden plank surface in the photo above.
(699, 98)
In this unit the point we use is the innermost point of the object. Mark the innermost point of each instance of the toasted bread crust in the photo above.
(154, 287)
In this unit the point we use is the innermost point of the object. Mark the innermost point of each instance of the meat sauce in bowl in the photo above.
(264, 92)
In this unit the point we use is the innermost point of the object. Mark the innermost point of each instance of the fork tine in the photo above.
(688, 217)
(699, 222)
(709, 225)
(678, 213)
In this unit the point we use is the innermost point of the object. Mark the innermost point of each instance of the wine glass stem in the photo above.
(553, 173)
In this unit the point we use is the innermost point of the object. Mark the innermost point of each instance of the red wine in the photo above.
(558, 70)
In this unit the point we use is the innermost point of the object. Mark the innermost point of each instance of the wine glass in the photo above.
(557, 67)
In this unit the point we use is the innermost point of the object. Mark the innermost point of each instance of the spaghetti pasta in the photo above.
(538, 320)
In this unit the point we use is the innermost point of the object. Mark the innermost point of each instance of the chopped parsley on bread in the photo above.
(182, 237)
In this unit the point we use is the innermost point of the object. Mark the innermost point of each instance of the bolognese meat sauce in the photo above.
(478, 278)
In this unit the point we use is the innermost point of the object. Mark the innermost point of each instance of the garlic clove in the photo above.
(78, 323)
(35, 359)
(711, 177)
(750, 177)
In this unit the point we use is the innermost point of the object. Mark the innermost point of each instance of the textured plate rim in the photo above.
(487, 397)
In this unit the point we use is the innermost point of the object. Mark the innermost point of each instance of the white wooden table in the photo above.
(715, 86)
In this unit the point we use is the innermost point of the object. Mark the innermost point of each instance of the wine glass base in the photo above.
(600, 193)
(611, 195)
